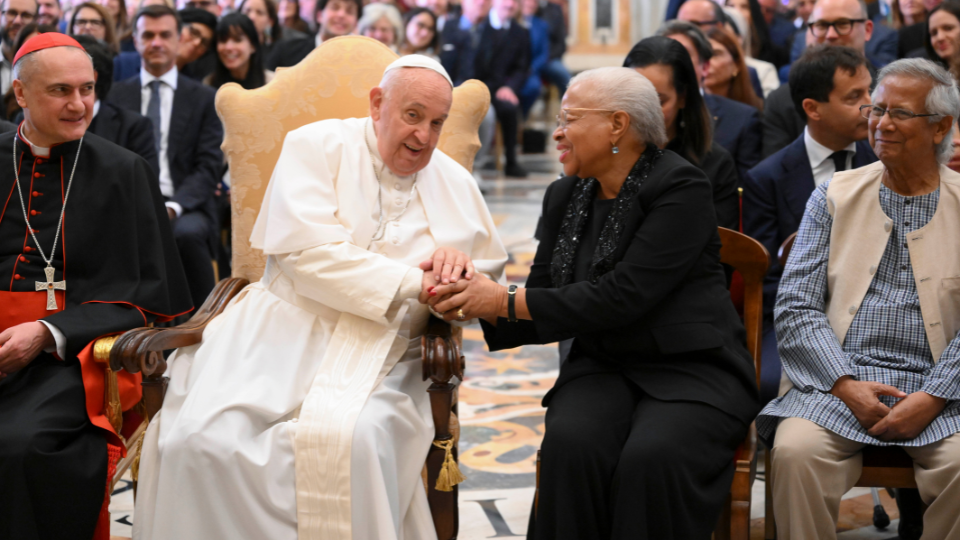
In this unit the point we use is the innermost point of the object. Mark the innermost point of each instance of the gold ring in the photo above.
(460, 315)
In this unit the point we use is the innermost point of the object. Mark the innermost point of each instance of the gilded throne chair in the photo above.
(334, 81)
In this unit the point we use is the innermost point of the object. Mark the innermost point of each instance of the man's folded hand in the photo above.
(908, 418)
(862, 397)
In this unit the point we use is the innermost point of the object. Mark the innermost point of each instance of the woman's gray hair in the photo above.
(942, 100)
(378, 10)
(623, 89)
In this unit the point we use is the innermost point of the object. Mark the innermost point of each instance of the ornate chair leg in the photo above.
(443, 504)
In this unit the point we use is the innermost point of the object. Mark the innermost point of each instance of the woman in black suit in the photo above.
(666, 64)
(646, 415)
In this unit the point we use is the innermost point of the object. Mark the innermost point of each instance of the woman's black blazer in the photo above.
(663, 315)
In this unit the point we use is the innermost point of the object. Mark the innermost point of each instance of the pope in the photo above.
(85, 251)
(303, 413)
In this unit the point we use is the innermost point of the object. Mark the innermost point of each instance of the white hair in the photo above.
(943, 99)
(623, 89)
(378, 10)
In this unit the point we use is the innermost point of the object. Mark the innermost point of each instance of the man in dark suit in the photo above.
(828, 86)
(188, 135)
(833, 22)
(736, 126)
(121, 127)
(502, 63)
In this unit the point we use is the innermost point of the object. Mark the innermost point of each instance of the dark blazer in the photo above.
(126, 65)
(289, 52)
(673, 8)
(662, 316)
(7, 126)
(193, 145)
(552, 14)
(456, 52)
(503, 58)
(781, 31)
(127, 129)
(910, 38)
(736, 127)
(775, 194)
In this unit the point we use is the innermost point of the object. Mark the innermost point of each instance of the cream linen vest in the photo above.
(858, 239)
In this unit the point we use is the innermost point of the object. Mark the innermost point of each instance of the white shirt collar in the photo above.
(818, 153)
(496, 23)
(96, 109)
(170, 77)
(371, 135)
(38, 151)
(319, 39)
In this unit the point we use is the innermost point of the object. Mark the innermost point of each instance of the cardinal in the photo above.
(86, 251)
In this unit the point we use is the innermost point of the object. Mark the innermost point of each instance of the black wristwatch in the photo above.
(512, 303)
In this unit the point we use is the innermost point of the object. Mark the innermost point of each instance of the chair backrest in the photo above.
(751, 259)
(784, 252)
(334, 81)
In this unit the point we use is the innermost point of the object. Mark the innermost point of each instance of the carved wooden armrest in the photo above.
(141, 350)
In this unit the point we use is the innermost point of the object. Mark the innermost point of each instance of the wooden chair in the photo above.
(334, 81)
(751, 260)
(883, 466)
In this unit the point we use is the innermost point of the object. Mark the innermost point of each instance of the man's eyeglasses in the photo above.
(842, 26)
(898, 115)
(702, 24)
(563, 120)
(92, 23)
(12, 14)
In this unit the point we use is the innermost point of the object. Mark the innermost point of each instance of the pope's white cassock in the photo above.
(302, 413)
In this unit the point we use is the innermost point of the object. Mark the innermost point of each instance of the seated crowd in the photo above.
(828, 123)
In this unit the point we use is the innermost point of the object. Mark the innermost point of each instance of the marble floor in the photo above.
(500, 413)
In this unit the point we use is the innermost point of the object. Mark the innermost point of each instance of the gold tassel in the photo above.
(135, 466)
(450, 474)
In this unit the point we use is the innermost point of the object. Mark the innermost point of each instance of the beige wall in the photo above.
(636, 20)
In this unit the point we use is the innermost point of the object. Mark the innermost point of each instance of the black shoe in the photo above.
(515, 171)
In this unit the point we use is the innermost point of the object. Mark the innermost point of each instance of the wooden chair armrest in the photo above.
(141, 349)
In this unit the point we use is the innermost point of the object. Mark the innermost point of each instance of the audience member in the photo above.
(943, 42)
(828, 85)
(210, 5)
(289, 13)
(906, 13)
(880, 50)
(736, 126)
(955, 158)
(196, 54)
(833, 22)
(14, 15)
(780, 28)
(871, 355)
(188, 136)
(539, 53)
(802, 10)
(763, 74)
(727, 75)
(605, 273)
(264, 15)
(761, 45)
(121, 127)
(121, 20)
(90, 19)
(420, 33)
(226, 6)
(666, 64)
(383, 23)
(49, 13)
(334, 18)
(239, 54)
(440, 8)
(554, 72)
(11, 108)
(704, 14)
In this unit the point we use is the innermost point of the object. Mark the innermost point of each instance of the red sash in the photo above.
(22, 307)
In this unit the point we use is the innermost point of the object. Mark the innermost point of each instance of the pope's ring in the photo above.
(460, 315)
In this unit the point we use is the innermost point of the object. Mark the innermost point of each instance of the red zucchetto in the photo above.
(46, 41)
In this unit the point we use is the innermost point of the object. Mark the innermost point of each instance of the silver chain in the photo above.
(380, 224)
(23, 205)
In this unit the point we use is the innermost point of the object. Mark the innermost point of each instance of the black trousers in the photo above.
(619, 464)
(193, 232)
(507, 116)
(53, 461)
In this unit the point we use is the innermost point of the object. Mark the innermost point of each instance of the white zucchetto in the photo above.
(419, 61)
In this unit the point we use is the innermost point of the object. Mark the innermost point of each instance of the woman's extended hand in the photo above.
(479, 297)
(448, 265)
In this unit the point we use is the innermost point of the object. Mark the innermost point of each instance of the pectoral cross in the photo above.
(51, 286)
